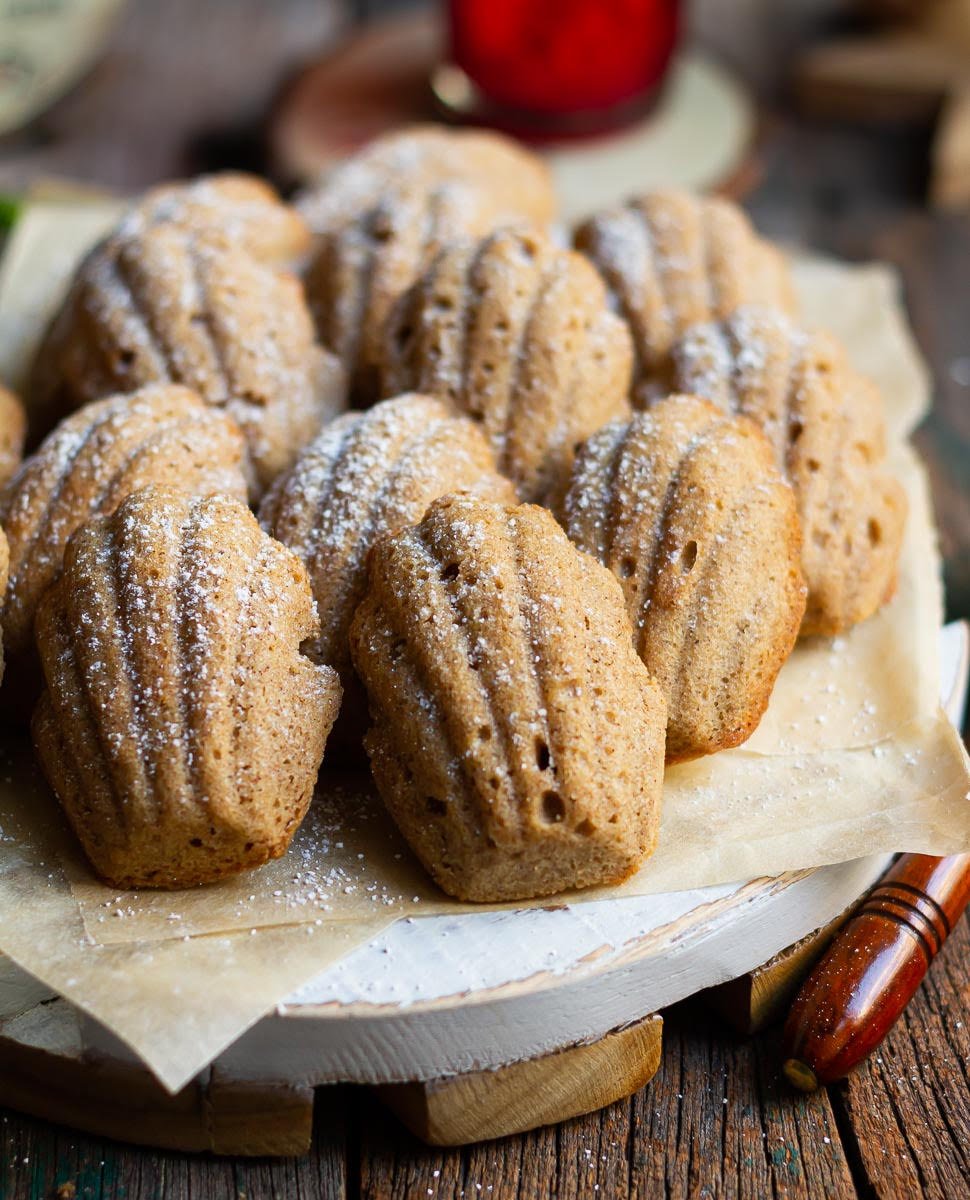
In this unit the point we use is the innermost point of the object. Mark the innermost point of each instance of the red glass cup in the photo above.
(558, 67)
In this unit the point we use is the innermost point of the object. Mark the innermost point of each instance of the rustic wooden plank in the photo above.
(720, 1121)
(717, 1120)
(37, 1159)
(908, 1107)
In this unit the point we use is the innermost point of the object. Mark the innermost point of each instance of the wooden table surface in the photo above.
(183, 89)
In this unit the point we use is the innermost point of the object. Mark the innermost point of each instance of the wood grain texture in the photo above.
(483, 1105)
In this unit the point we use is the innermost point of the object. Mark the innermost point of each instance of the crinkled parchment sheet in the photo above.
(853, 757)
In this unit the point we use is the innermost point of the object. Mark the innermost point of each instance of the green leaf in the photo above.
(10, 207)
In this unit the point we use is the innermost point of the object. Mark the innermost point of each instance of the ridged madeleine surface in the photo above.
(517, 738)
(671, 259)
(167, 305)
(367, 474)
(90, 463)
(517, 334)
(827, 426)
(13, 433)
(686, 507)
(181, 727)
(488, 175)
(246, 209)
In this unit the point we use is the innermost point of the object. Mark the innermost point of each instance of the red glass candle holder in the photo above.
(556, 67)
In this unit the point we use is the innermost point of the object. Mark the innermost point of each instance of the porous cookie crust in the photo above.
(365, 475)
(360, 268)
(13, 433)
(671, 259)
(517, 334)
(827, 427)
(517, 738)
(90, 463)
(468, 169)
(686, 507)
(246, 210)
(167, 305)
(181, 727)
(383, 215)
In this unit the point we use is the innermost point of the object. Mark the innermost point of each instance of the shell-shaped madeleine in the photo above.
(167, 305)
(827, 426)
(13, 433)
(90, 463)
(381, 217)
(687, 508)
(181, 727)
(246, 209)
(360, 268)
(517, 738)
(489, 175)
(671, 259)
(516, 333)
(364, 475)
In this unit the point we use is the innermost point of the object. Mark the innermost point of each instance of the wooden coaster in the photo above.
(699, 134)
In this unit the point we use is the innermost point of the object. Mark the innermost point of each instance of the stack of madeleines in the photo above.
(531, 521)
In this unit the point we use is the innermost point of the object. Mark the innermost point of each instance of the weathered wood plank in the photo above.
(719, 1121)
(37, 1160)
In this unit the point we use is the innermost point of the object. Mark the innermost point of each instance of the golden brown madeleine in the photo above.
(167, 306)
(181, 727)
(517, 738)
(671, 259)
(827, 426)
(90, 463)
(360, 268)
(381, 217)
(13, 433)
(686, 507)
(517, 334)
(494, 176)
(247, 210)
(367, 474)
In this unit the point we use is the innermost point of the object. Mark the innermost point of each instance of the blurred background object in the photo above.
(915, 65)
(45, 47)
(555, 67)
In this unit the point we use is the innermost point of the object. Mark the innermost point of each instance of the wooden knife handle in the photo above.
(868, 975)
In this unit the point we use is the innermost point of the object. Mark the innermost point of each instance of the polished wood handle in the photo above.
(868, 975)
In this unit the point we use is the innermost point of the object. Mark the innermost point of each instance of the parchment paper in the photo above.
(853, 758)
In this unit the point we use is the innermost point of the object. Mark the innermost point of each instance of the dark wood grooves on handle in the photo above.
(869, 974)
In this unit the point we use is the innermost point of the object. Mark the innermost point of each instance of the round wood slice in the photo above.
(699, 134)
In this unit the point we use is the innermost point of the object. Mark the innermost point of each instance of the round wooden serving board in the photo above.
(474, 1025)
